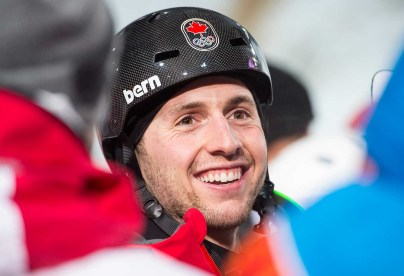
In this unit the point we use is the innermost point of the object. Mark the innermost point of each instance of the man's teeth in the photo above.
(221, 176)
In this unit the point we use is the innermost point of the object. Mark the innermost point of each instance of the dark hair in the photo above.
(291, 110)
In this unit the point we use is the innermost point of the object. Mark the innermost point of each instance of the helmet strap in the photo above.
(265, 205)
(150, 205)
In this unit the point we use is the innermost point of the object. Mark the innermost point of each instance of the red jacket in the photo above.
(186, 244)
(68, 207)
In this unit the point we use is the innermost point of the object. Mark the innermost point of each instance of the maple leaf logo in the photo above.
(197, 28)
(199, 34)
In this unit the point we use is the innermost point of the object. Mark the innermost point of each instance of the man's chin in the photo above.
(225, 221)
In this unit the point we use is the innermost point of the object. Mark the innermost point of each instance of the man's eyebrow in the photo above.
(239, 100)
(180, 108)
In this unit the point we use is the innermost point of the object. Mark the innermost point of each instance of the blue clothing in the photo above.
(359, 230)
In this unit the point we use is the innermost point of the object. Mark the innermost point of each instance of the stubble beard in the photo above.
(219, 220)
(176, 201)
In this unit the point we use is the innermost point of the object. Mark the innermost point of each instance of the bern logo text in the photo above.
(200, 34)
(141, 89)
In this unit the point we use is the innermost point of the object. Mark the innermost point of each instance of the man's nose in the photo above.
(222, 139)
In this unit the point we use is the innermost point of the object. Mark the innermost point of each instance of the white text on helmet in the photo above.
(141, 89)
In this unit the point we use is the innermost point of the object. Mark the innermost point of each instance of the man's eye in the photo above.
(239, 115)
(186, 121)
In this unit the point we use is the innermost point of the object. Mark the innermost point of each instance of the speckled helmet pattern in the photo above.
(160, 51)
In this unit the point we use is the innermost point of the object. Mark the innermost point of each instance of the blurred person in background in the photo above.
(59, 214)
(290, 114)
(356, 230)
(305, 166)
(288, 119)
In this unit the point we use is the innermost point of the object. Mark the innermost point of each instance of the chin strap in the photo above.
(150, 206)
(154, 211)
(265, 205)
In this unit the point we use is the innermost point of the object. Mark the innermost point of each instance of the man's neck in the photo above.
(224, 238)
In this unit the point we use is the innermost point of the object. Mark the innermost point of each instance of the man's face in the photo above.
(206, 149)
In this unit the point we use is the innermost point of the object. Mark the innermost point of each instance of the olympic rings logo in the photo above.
(204, 41)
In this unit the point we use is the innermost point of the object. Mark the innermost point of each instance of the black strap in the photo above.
(265, 204)
(150, 206)
(217, 253)
(156, 213)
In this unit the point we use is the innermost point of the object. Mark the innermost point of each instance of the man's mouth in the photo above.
(221, 176)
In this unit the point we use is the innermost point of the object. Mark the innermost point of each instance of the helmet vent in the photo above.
(239, 41)
(154, 17)
(166, 55)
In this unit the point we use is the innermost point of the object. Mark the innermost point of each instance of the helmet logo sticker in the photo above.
(200, 34)
(140, 89)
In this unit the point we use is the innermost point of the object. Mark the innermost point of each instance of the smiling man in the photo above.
(209, 146)
(184, 115)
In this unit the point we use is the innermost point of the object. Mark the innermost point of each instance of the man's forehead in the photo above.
(200, 103)
(211, 97)
(220, 87)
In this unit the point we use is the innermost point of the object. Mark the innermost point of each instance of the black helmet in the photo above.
(161, 51)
